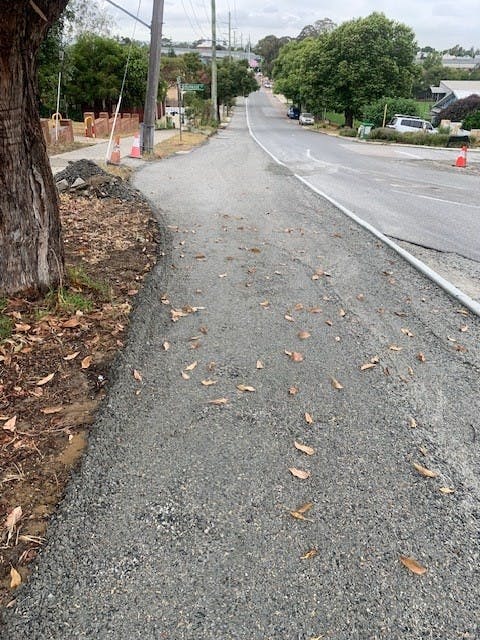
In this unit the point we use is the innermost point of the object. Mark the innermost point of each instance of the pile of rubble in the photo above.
(87, 178)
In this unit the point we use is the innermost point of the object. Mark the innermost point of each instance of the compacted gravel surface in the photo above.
(271, 320)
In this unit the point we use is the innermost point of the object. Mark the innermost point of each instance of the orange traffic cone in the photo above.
(135, 152)
(115, 157)
(462, 158)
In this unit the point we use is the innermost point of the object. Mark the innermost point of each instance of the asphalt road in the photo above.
(178, 524)
(408, 193)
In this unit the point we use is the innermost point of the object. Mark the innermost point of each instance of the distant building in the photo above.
(449, 91)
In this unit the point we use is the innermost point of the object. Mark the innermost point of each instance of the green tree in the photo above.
(375, 111)
(289, 71)
(268, 48)
(96, 70)
(360, 61)
(234, 78)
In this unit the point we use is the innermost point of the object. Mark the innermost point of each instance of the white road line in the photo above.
(412, 155)
(447, 286)
(442, 200)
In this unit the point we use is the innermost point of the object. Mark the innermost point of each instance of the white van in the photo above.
(406, 124)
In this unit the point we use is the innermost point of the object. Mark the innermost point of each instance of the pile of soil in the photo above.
(95, 182)
(55, 362)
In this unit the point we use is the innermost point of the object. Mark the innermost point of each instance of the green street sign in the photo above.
(192, 87)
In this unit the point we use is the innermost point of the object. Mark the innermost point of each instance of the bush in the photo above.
(428, 139)
(347, 132)
(472, 121)
(459, 110)
(383, 133)
(374, 111)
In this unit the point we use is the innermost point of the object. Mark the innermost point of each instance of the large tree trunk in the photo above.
(348, 118)
(31, 248)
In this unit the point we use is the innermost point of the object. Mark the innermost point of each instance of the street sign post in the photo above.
(192, 87)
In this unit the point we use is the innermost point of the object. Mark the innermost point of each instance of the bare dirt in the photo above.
(55, 358)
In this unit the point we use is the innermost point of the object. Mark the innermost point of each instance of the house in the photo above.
(449, 91)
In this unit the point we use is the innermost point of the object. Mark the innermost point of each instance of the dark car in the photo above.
(293, 113)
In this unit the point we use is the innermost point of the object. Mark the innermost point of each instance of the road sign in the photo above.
(192, 87)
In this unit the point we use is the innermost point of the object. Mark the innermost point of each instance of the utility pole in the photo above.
(229, 36)
(214, 63)
(150, 113)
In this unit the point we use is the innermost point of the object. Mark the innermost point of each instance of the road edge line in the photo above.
(420, 266)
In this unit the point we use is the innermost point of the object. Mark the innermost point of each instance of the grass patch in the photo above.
(6, 323)
(79, 279)
(173, 145)
(64, 300)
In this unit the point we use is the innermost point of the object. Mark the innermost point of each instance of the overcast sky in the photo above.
(439, 24)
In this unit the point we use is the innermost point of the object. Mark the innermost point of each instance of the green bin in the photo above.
(364, 129)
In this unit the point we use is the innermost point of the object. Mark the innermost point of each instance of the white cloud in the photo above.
(440, 25)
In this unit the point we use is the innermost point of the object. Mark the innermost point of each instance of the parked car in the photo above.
(293, 113)
(306, 118)
(406, 124)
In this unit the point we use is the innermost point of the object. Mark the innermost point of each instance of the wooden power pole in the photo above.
(214, 64)
(150, 112)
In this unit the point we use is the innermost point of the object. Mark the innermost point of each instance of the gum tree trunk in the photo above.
(31, 248)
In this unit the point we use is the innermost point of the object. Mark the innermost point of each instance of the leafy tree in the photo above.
(472, 120)
(460, 109)
(234, 78)
(374, 112)
(31, 248)
(268, 48)
(88, 16)
(289, 72)
(96, 71)
(137, 72)
(319, 27)
(359, 62)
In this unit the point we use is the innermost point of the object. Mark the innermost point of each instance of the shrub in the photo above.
(460, 109)
(347, 132)
(374, 111)
(472, 121)
(384, 133)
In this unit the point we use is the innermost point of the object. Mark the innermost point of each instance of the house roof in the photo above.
(460, 88)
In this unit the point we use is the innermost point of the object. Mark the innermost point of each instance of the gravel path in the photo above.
(178, 524)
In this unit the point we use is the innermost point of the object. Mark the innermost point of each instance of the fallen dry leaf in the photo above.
(335, 383)
(446, 490)
(289, 318)
(48, 410)
(421, 357)
(311, 553)
(192, 366)
(208, 383)
(185, 376)
(412, 423)
(72, 323)
(342, 313)
(295, 356)
(293, 391)
(245, 387)
(43, 381)
(218, 401)
(12, 518)
(303, 335)
(72, 356)
(86, 362)
(265, 303)
(304, 448)
(260, 364)
(413, 565)
(299, 473)
(15, 578)
(308, 418)
(137, 375)
(367, 365)
(10, 424)
(315, 310)
(407, 332)
(166, 346)
(427, 473)
(299, 514)
(395, 347)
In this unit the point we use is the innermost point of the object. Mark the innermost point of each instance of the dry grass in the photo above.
(174, 144)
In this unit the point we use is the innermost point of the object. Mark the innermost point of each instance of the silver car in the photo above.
(306, 118)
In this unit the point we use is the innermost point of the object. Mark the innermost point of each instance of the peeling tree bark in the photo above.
(31, 247)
